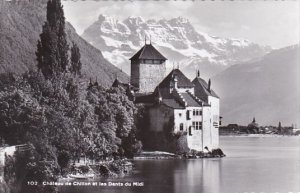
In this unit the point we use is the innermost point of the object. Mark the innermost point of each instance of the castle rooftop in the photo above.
(148, 52)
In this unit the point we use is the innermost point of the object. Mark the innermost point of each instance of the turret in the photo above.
(209, 85)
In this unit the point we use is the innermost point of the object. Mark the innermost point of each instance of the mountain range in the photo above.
(176, 38)
(21, 24)
(267, 88)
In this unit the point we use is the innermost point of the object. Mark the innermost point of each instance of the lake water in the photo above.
(252, 164)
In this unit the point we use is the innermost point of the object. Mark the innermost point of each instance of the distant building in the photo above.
(176, 106)
(253, 127)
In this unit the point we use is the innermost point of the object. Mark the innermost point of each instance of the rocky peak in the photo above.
(134, 20)
(179, 21)
(104, 18)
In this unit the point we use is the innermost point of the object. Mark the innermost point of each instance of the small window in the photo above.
(149, 61)
(188, 115)
(194, 112)
(197, 125)
(181, 126)
(180, 114)
(156, 62)
(190, 131)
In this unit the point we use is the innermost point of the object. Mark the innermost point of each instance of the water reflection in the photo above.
(257, 165)
(198, 176)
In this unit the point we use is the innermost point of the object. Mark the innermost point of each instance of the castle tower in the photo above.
(148, 68)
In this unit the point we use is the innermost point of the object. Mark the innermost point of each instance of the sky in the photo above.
(273, 23)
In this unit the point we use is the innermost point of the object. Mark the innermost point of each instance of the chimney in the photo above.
(198, 74)
(209, 85)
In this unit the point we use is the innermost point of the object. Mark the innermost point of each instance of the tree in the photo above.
(63, 159)
(75, 60)
(52, 48)
(280, 131)
(130, 145)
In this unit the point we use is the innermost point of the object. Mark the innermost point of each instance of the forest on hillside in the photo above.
(59, 114)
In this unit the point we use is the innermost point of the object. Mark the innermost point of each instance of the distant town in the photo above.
(255, 128)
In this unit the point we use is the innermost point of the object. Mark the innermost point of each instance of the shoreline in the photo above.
(156, 155)
(259, 135)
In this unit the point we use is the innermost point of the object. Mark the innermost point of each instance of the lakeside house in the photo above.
(176, 106)
(9, 151)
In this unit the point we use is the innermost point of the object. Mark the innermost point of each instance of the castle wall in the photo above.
(194, 141)
(180, 118)
(215, 114)
(134, 73)
(162, 117)
(150, 75)
(159, 117)
(194, 136)
(207, 132)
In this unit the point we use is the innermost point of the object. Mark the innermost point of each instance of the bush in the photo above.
(217, 153)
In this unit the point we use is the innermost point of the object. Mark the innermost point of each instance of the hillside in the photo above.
(21, 23)
(176, 38)
(267, 88)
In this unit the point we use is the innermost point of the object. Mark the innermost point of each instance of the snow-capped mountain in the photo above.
(175, 38)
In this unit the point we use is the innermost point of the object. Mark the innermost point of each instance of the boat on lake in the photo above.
(82, 176)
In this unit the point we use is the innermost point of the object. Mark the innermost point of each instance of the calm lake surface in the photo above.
(252, 164)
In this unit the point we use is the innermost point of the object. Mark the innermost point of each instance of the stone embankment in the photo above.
(112, 168)
(190, 155)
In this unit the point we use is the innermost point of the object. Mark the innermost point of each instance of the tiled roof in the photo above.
(203, 88)
(182, 80)
(191, 102)
(148, 52)
(172, 103)
(117, 83)
(144, 98)
(169, 99)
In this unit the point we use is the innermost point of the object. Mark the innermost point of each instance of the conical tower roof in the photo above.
(148, 52)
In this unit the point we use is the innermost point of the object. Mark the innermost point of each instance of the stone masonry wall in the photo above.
(135, 73)
(150, 76)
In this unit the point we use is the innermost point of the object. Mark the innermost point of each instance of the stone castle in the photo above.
(183, 115)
